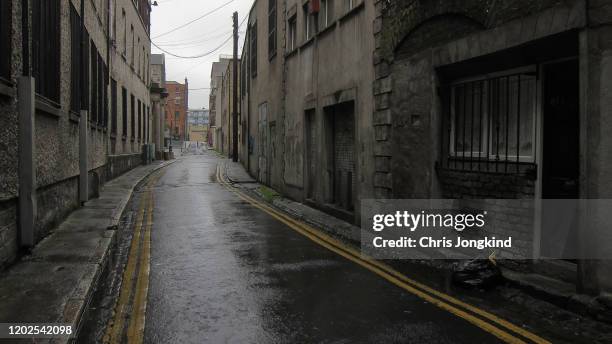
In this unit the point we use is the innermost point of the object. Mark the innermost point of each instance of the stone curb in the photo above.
(101, 271)
(595, 307)
(65, 269)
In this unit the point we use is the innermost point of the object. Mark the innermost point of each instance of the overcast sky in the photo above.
(198, 38)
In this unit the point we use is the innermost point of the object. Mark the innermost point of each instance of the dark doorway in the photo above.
(560, 158)
(341, 155)
(311, 153)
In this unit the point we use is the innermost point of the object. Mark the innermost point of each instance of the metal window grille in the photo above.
(45, 43)
(75, 57)
(133, 116)
(493, 123)
(94, 83)
(85, 76)
(271, 28)
(253, 50)
(139, 120)
(101, 92)
(113, 106)
(124, 113)
(5, 39)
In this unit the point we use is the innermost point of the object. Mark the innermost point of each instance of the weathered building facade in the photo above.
(158, 102)
(225, 109)
(307, 101)
(497, 99)
(176, 109)
(214, 102)
(57, 153)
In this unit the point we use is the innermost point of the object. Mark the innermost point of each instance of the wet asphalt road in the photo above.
(223, 271)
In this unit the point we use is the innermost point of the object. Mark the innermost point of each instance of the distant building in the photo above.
(176, 109)
(216, 80)
(225, 109)
(158, 101)
(197, 124)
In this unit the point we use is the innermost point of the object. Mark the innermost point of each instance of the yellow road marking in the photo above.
(137, 268)
(114, 331)
(427, 293)
(136, 327)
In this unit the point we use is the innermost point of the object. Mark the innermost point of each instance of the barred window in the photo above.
(124, 112)
(5, 39)
(271, 28)
(113, 106)
(45, 43)
(253, 50)
(133, 117)
(94, 83)
(75, 56)
(493, 119)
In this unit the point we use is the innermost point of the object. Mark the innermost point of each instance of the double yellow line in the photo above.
(488, 322)
(131, 306)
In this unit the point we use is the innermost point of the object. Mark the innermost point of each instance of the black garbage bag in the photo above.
(476, 273)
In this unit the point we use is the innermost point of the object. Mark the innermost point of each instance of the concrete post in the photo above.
(83, 163)
(27, 162)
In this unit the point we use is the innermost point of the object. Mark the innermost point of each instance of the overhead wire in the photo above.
(195, 20)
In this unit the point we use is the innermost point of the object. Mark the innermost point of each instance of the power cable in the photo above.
(195, 20)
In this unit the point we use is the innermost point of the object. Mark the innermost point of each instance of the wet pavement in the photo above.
(223, 271)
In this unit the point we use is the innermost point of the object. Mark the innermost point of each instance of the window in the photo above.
(102, 93)
(133, 117)
(139, 120)
(113, 106)
(93, 116)
(253, 50)
(124, 112)
(271, 28)
(132, 49)
(124, 33)
(113, 22)
(292, 37)
(494, 118)
(138, 58)
(350, 4)
(310, 22)
(5, 39)
(45, 52)
(75, 58)
(327, 13)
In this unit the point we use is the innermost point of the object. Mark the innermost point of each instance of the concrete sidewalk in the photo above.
(557, 293)
(56, 281)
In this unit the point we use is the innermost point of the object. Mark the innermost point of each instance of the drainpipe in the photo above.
(27, 113)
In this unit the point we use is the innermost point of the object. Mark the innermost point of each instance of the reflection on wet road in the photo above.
(224, 271)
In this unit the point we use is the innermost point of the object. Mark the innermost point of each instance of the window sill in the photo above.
(6, 88)
(47, 106)
(291, 53)
(350, 13)
(307, 42)
(74, 117)
(271, 57)
(329, 28)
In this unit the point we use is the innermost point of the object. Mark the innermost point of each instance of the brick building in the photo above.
(86, 125)
(176, 109)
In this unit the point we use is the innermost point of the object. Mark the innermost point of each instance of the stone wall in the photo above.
(56, 131)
